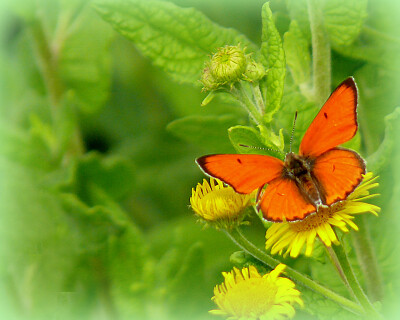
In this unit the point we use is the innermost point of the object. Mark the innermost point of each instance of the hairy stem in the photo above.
(258, 98)
(352, 281)
(240, 93)
(238, 238)
(321, 51)
(367, 259)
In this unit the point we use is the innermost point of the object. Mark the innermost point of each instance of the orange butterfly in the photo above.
(321, 174)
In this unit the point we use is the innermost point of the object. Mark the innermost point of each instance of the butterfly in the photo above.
(319, 175)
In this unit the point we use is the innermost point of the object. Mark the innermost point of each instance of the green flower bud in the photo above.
(208, 80)
(228, 64)
(254, 71)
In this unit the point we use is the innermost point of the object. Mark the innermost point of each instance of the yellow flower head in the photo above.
(218, 204)
(245, 294)
(294, 235)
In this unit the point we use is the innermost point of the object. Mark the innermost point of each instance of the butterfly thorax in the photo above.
(299, 169)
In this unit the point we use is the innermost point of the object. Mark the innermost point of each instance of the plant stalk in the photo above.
(355, 286)
(47, 63)
(321, 52)
(367, 259)
(240, 93)
(258, 98)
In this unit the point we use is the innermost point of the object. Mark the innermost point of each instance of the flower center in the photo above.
(317, 219)
(253, 297)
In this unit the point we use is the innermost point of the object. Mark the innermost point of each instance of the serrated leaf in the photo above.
(297, 54)
(176, 39)
(273, 58)
(382, 156)
(343, 20)
(207, 131)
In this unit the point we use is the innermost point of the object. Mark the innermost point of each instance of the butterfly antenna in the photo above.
(294, 125)
(260, 148)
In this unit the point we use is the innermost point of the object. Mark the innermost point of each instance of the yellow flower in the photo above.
(218, 204)
(294, 235)
(245, 294)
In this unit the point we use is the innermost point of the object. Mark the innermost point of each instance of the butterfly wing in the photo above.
(336, 122)
(339, 171)
(244, 172)
(282, 200)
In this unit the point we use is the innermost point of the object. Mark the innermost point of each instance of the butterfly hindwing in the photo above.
(282, 200)
(244, 172)
(336, 122)
(339, 171)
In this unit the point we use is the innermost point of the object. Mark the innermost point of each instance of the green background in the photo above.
(95, 178)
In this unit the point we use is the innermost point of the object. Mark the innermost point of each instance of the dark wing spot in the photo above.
(333, 168)
(325, 115)
(238, 160)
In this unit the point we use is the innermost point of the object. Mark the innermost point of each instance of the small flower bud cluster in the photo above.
(228, 65)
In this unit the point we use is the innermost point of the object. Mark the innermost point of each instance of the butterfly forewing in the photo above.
(336, 122)
(244, 172)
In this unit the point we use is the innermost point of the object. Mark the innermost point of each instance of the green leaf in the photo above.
(114, 175)
(378, 160)
(251, 137)
(22, 148)
(99, 218)
(297, 54)
(273, 58)
(176, 39)
(85, 61)
(207, 131)
(247, 136)
(343, 20)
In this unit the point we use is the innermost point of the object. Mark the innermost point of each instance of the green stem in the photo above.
(321, 51)
(258, 98)
(353, 282)
(47, 63)
(380, 35)
(335, 261)
(240, 240)
(240, 93)
(47, 57)
(367, 259)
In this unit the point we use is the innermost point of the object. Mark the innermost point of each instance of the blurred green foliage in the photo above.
(99, 132)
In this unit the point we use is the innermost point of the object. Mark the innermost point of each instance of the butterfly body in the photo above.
(299, 169)
(319, 175)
